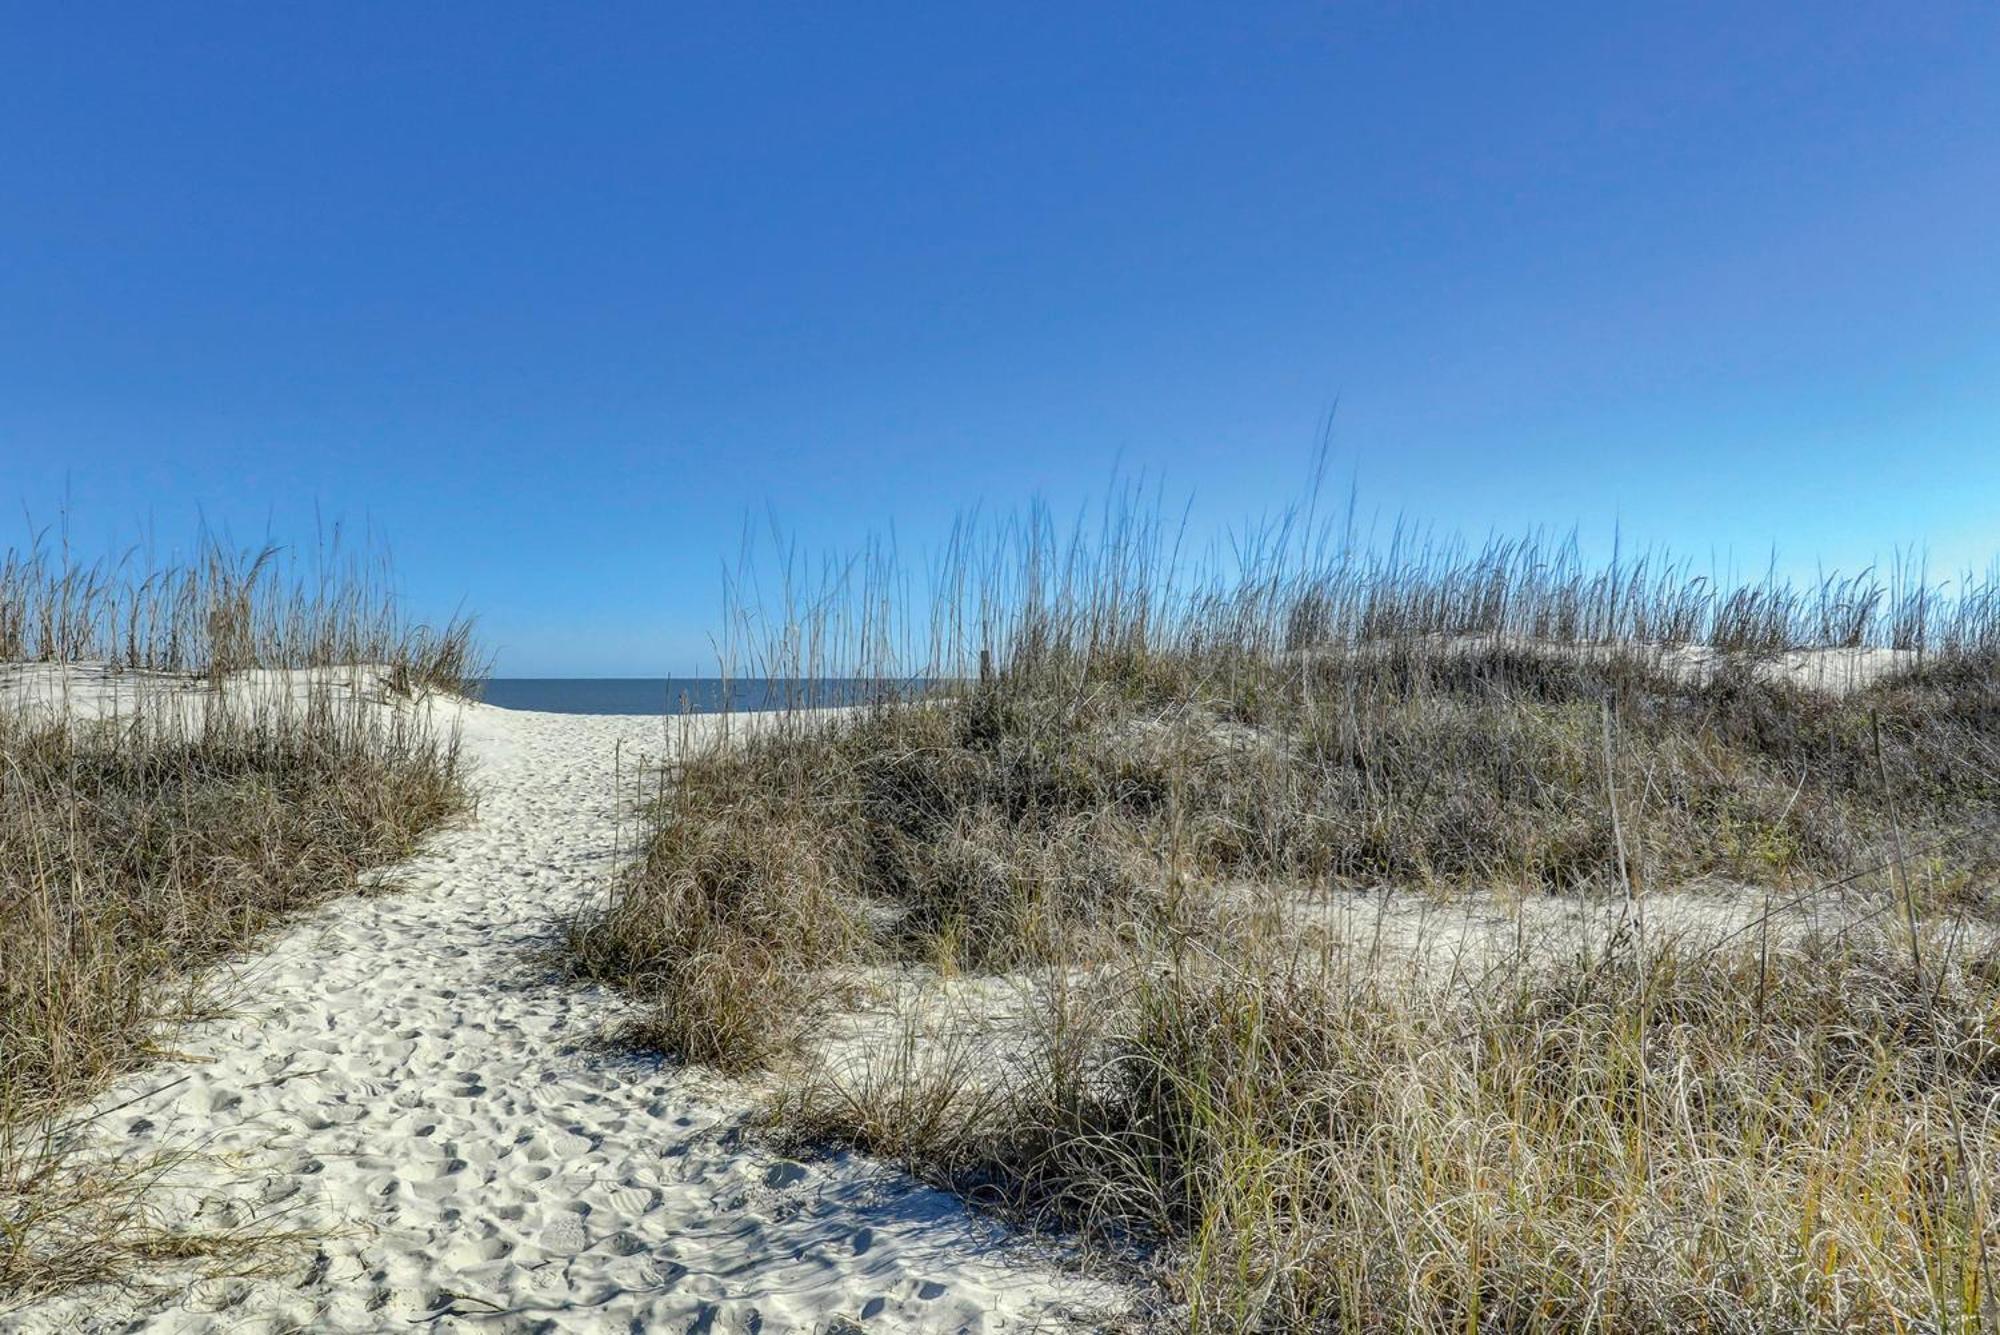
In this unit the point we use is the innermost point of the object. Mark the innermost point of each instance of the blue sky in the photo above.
(556, 297)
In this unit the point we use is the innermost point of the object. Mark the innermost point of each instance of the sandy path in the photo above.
(408, 1082)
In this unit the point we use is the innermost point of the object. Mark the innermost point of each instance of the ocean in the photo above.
(675, 695)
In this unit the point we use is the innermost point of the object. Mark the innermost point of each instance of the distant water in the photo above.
(674, 695)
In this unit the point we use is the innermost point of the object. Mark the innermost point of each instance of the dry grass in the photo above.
(135, 849)
(218, 610)
(1156, 766)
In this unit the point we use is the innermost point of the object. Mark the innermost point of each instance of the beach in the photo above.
(448, 1126)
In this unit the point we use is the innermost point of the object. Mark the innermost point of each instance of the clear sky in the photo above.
(556, 296)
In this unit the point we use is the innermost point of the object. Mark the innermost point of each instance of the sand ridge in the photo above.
(408, 1082)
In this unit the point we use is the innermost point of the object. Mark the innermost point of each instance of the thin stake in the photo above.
(1896, 833)
(1633, 900)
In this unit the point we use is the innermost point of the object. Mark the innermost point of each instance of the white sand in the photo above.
(407, 1082)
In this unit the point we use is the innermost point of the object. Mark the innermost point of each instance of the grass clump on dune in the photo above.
(1720, 1140)
(1143, 805)
(159, 810)
(219, 611)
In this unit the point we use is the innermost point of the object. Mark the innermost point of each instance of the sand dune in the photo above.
(406, 1082)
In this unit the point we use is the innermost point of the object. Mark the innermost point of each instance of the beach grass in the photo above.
(1149, 793)
(164, 800)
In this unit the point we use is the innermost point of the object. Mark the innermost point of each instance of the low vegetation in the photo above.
(1143, 791)
(145, 838)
